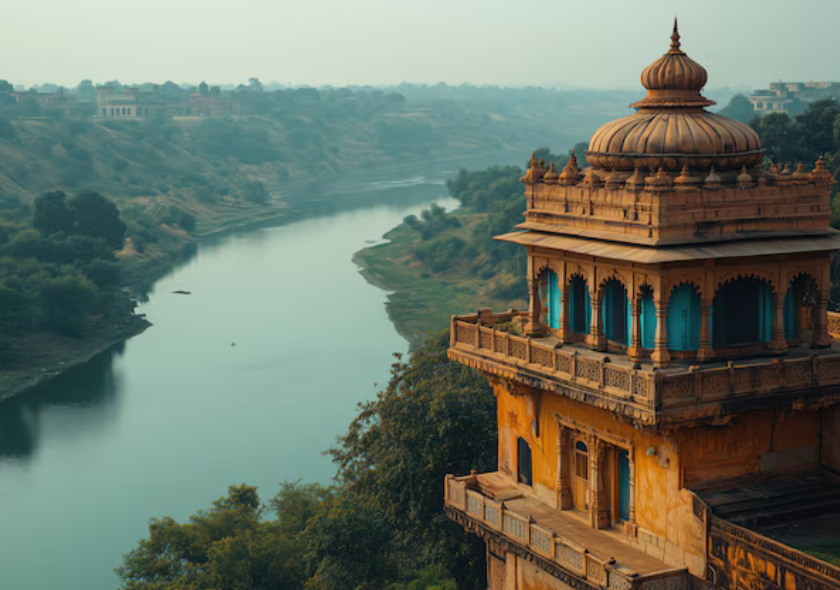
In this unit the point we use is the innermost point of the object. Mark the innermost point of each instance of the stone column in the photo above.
(564, 483)
(563, 331)
(635, 351)
(705, 352)
(596, 340)
(820, 337)
(778, 343)
(534, 326)
(599, 515)
(660, 356)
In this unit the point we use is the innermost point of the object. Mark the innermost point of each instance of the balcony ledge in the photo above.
(559, 543)
(683, 392)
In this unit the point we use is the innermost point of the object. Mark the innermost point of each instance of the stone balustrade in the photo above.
(746, 556)
(646, 395)
(540, 542)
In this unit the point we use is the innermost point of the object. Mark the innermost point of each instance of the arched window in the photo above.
(616, 312)
(550, 296)
(742, 313)
(524, 461)
(647, 318)
(800, 300)
(684, 318)
(580, 306)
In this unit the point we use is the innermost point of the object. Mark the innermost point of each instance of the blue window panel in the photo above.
(580, 306)
(614, 312)
(552, 300)
(684, 319)
(765, 313)
(623, 485)
(790, 326)
(648, 320)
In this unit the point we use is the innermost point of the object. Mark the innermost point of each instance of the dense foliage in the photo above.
(381, 526)
(60, 272)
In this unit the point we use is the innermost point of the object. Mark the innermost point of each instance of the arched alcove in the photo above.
(580, 305)
(615, 311)
(684, 318)
(742, 313)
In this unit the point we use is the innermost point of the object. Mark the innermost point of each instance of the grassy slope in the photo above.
(421, 301)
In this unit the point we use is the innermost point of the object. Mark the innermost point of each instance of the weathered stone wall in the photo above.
(767, 441)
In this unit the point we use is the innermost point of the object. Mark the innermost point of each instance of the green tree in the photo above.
(53, 214)
(6, 87)
(739, 108)
(203, 88)
(68, 301)
(96, 216)
(434, 417)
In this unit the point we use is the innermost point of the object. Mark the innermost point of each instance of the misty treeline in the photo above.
(492, 203)
(380, 526)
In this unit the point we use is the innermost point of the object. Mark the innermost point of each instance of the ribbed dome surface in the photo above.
(671, 128)
(669, 138)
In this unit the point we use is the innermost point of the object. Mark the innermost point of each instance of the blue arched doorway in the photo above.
(580, 305)
(742, 313)
(615, 311)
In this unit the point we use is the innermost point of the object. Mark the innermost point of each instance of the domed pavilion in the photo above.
(670, 401)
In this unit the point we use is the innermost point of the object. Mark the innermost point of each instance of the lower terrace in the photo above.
(782, 530)
(684, 391)
(493, 507)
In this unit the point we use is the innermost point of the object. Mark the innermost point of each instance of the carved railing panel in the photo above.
(515, 525)
(475, 504)
(542, 356)
(588, 369)
(617, 378)
(542, 540)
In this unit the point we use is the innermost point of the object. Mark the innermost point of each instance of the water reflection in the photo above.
(92, 389)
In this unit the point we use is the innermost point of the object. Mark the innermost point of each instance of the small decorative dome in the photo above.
(744, 179)
(552, 175)
(671, 127)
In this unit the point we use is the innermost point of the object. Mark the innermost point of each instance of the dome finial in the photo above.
(675, 39)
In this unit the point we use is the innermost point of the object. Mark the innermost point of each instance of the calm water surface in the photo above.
(248, 379)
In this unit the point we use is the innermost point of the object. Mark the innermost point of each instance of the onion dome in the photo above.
(671, 127)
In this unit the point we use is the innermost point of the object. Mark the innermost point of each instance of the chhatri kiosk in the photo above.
(669, 411)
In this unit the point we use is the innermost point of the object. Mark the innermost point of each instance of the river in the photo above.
(246, 380)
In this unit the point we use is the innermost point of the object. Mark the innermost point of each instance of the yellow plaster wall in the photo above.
(661, 508)
(760, 441)
(531, 577)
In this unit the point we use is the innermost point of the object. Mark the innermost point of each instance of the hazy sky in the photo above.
(594, 43)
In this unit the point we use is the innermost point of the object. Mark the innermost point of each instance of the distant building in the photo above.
(58, 96)
(131, 101)
(135, 101)
(792, 97)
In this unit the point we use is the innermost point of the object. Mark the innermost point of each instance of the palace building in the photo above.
(669, 405)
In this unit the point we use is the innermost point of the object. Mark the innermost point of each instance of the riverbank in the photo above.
(43, 356)
(421, 302)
